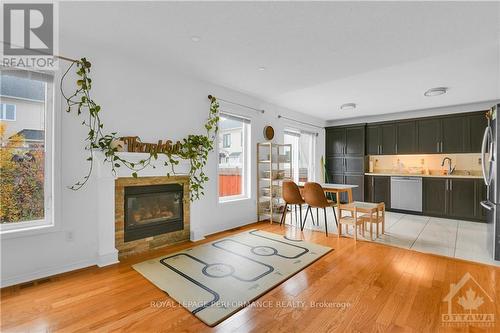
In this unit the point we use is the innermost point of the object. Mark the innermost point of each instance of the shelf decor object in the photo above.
(274, 165)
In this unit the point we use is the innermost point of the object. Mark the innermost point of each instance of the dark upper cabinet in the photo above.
(435, 196)
(381, 139)
(354, 164)
(462, 198)
(335, 141)
(345, 141)
(378, 189)
(429, 135)
(372, 142)
(476, 124)
(335, 164)
(406, 137)
(453, 131)
(387, 139)
(355, 140)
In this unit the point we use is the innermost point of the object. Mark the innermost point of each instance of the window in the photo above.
(25, 150)
(226, 140)
(303, 154)
(233, 157)
(7, 112)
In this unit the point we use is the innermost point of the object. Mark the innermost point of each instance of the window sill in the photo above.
(27, 230)
(225, 200)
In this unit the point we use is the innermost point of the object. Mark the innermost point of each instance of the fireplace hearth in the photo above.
(152, 210)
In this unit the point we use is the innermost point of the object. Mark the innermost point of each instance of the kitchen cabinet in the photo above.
(381, 139)
(335, 141)
(378, 189)
(429, 136)
(462, 198)
(475, 126)
(406, 137)
(452, 134)
(345, 141)
(351, 179)
(456, 198)
(435, 196)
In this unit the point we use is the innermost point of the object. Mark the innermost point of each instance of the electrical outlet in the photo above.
(69, 236)
(479, 161)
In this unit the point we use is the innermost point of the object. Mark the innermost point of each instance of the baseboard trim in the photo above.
(44, 273)
(107, 259)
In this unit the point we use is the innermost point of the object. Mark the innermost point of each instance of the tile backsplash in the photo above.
(402, 163)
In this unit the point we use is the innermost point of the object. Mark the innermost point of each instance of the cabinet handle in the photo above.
(441, 149)
(438, 146)
(396, 148)
(451, 185)
(446, 185)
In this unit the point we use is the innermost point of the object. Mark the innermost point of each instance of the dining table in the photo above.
(337, 189)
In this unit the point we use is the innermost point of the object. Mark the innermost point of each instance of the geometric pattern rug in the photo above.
(216, 279)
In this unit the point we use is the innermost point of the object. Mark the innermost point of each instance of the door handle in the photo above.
(487, 205)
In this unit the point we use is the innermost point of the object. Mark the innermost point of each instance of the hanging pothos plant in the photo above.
(194, 148)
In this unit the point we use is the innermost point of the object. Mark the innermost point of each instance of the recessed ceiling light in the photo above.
(348, 106)
(436, 91)
(195, 39)
(261, 69)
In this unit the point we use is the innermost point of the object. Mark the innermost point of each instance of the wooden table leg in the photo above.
(371, 226)
(349, 195)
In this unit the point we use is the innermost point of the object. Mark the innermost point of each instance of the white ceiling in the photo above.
(380, 55)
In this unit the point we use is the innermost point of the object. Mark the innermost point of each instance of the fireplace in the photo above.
(152, 210)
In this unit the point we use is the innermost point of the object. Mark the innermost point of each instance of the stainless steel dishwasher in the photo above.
(406, 193)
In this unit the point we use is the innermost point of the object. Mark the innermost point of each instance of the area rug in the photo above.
(216, 279)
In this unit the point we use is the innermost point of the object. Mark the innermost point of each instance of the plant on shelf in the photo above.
(194, 148)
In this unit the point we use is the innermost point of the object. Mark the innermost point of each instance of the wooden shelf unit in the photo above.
(274, 165)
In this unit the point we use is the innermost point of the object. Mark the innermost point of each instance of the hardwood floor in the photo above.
(387, 289)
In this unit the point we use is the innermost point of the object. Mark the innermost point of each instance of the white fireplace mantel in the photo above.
(107, 253)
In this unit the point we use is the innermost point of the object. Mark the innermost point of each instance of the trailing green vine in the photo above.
(194, 148)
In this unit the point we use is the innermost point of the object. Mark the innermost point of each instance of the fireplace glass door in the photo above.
(153, 210)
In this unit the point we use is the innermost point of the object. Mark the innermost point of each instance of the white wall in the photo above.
(153, 103)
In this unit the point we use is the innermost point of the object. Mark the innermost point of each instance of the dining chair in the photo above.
(291, 196)
(314, 196)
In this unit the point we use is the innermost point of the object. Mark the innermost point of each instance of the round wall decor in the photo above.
(268, 132)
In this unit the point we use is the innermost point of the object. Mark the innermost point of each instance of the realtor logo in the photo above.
(468, 304)
(28, 29)
(29, 39)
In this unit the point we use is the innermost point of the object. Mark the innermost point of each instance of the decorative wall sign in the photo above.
(135, 145)
(268, 132)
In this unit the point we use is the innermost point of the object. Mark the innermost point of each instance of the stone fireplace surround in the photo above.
(150, 243)
(109, 246)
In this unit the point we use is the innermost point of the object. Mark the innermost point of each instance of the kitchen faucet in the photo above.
(450, 169)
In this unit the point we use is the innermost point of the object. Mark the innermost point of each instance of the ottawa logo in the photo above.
(468, 304)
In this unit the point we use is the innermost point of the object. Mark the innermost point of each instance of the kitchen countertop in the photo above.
(394, 174)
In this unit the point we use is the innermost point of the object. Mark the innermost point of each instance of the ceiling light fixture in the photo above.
(261, 69)
(195, 39)
(436, 91)
(348, 106)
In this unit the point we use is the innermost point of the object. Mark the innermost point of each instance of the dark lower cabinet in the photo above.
(435, 196)
(456, 198)
(462, 198)
(351, 179)
(378, 189)
(356, 179)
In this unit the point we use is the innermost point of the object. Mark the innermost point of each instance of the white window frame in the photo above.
(47, 224)
(3, 112)
(246, 172)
